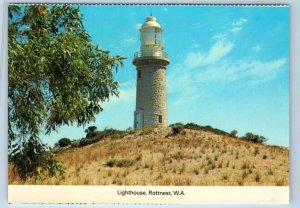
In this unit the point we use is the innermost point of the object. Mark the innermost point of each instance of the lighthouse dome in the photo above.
(150, 23)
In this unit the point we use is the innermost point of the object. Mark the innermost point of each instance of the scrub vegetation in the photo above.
(179, 155)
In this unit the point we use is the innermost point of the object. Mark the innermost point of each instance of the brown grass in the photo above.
(147, 157)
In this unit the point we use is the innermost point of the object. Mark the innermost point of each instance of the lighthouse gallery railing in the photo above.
(151, 53)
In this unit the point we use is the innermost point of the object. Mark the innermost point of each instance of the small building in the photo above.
(151, 62)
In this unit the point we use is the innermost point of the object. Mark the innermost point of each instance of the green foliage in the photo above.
(129, 129)
(233, 133)
(205, 128)
(106, 133)
(90, 131)
(254, 138)
(63, 142)
(31, 160)
(56, 145)
(112, 133)
(57, 76)
(177, 129)
(75, 143)
(176, 124)
(194, 126)
(119, 162)
(84, 141)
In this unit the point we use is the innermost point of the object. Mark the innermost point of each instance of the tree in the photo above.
(255, 138)
(63, 142)
(57, 76)
(33, 154)
(233, 133)
(90, 131)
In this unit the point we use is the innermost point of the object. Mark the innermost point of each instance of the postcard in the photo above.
(152, 104)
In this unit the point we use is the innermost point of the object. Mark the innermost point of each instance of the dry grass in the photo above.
(147, 157)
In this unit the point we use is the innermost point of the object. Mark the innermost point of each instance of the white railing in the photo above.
(151, 53)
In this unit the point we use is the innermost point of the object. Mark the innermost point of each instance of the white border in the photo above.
(294, 90)
(188, 194)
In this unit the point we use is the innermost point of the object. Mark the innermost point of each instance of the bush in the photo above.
(176, 124)
(91, 131)
(112, 133)
(63, 142)
(254, 138)
(129, 128)
(177, 129)
(98, 135)
(194, 126)
(233, 133)
(75, 143)
(119, 162)
(83, 142)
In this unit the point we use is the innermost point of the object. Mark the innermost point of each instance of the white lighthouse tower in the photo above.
(151, 62)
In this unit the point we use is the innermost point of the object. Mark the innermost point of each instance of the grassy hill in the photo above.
(155, 156)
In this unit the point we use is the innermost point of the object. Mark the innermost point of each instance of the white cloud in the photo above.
(220, 49)
(237, 25)
(256, 48)
(195, 45)
(181, 84)
(126, 94)
(200, 69)
(235, 29)
(191, 79)
(265, 71)
(138, 26)
(250, 72)
(239, 22)
(130, 40)
(219, 36)
(191, 85)
(194, 59)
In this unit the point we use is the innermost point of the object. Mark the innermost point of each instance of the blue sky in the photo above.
(229, 66)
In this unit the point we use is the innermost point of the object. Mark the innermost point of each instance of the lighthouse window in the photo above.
(139, 74)
(160, 118)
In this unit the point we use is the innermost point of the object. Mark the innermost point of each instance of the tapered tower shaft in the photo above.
(151, 62)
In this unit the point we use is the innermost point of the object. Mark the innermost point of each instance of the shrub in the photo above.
(129, 128)
(119, 162)
(256, 151)
(194, 126)
(196, 171)
(84, 142)
(257, 177)
(233, 133)
(176, 124)
(112, 133)
(63, 142)
(265, 156)
(225, 177)
(56, 145)
(254, 138)
(178, 129)
(75, 143)
(91, 131)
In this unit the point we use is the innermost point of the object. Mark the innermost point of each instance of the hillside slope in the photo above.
(157, 157)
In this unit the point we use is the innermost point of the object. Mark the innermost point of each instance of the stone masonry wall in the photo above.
(151, 98)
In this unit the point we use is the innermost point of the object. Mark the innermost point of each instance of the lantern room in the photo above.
(151, 38)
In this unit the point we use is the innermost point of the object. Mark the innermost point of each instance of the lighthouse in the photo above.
(151, 62)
